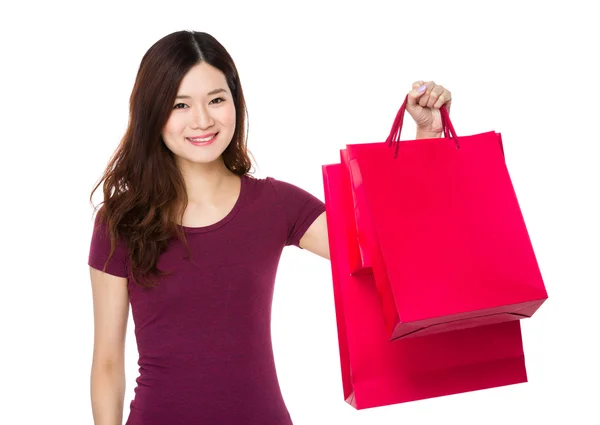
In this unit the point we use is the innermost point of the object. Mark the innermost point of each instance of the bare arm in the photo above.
(316, 238)
(107, 380)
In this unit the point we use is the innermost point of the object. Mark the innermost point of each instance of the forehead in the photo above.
(201, 79)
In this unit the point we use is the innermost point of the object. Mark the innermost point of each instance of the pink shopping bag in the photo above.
(452, 249)
(378, 372)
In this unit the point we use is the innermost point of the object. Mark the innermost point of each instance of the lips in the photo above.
(203, 138)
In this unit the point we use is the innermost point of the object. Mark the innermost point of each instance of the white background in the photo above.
(316, 76)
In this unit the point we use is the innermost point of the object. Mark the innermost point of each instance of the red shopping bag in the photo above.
(376, 371)
(452, 249)
(358, 218)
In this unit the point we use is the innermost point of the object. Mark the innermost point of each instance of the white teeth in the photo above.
(201, 140)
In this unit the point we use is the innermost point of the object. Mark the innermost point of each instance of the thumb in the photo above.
(419, 88)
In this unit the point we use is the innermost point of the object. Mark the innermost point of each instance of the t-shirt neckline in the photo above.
(228, 217)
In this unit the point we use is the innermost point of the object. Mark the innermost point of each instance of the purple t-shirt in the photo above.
(204, 333)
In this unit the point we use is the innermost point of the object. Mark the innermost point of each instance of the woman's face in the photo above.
(202, 121)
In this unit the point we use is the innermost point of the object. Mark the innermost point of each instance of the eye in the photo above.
(176, 106)
(220, 99)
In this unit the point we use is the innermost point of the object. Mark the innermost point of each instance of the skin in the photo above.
(212, 191)
(211, 188)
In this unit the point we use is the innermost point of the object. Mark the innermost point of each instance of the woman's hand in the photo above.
(424, 103)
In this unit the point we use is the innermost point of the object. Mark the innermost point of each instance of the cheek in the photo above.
(229, 115)
(174, 126)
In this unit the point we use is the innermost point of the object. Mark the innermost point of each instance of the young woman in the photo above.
(192, 241)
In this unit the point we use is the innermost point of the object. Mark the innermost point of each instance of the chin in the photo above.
(202, 160)
(203, 157)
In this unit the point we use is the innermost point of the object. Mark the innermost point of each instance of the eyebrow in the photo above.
(183, 96)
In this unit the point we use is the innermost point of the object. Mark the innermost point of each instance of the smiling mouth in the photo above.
(202, 140)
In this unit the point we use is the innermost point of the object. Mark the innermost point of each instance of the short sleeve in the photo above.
(100, 250)
(301, 209)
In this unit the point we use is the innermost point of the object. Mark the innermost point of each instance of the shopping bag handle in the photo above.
(447, 127)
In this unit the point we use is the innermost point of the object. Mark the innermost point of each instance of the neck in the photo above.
(205, 182)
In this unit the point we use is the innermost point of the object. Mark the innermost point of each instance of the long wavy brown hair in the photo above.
(144, 191)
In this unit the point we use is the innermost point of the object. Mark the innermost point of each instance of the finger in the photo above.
(418, 88)
(436, 92)
(425, 98)
(417, 84)
(444, 99)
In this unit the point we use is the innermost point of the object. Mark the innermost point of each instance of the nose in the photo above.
(201, 118)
